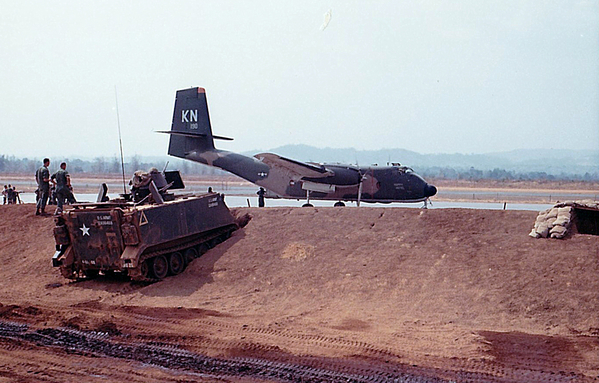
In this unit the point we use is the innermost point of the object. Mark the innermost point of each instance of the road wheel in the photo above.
(202, 248)
(175, 263)
(215, 241)
(144, 269)
(68, 272)
(307, 205)
(339, 204)
(190, 255)
(91, 273)
(160, 267)
(109, 274)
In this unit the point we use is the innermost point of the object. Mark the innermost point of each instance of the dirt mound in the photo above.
(409, 285)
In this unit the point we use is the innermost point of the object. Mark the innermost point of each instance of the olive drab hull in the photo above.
(146, 242)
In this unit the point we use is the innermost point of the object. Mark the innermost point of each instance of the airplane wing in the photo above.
(292, 167)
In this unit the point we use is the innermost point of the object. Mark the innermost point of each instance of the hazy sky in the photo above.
(429, 76)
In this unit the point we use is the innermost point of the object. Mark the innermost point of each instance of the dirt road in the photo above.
(325, 294)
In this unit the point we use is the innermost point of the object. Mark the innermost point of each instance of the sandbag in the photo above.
(558, 232)
(533, 233)
(543, 229)
(541, 217)
(562, 221)
(552, 213)
(564, 211)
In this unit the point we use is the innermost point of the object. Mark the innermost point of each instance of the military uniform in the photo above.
(260, 197)
(11, 195)
(63, 191)
(44, 188)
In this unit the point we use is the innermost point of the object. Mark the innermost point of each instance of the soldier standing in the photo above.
(10, 193)
(15, 195)
(260, 197)
(63, 187)
(5, 194)
(42, 177)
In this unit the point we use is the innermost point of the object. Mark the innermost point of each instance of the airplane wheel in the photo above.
(307, 205)
(160, 267)
(339, 204)
(175, 263)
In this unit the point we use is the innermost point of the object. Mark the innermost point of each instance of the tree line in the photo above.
(103, 165)
(473, 174)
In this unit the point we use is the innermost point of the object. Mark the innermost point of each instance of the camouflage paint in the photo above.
(192, 139)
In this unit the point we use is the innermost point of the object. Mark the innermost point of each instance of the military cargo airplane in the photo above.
(191, 138)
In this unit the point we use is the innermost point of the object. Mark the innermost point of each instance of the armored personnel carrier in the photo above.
(148, 235)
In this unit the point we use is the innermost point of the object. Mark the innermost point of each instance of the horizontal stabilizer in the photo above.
(189, 134)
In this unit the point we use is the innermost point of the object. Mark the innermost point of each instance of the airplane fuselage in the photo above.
(192, 139)
(378, 183)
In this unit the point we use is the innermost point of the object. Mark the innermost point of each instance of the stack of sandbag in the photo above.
(554, 222)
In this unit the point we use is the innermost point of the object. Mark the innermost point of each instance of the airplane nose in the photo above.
(430, 190)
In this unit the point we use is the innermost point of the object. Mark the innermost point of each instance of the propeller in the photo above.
(362, 178)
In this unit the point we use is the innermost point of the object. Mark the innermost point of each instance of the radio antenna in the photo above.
(118, 121)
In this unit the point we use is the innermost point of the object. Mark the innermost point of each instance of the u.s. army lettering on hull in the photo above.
(192, 139)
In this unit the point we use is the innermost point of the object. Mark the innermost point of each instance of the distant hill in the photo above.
(528, 164)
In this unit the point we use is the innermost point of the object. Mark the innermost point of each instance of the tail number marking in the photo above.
(189, 116)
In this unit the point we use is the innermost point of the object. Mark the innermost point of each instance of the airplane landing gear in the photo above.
(339, 204)
(307, 204)
(426, 202)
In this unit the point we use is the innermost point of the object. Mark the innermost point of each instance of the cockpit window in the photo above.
(416, 176)
(404, 169)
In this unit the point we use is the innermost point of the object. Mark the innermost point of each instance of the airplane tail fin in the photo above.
(191, 130)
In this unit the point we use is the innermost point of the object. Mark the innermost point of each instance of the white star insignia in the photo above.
(84, 230)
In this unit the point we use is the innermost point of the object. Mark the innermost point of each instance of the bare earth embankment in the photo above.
(446, 294)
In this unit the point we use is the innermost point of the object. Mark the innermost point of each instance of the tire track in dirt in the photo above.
(174, 357)
(216, 334)
(275, 338)
(226, 339)
(149, 323)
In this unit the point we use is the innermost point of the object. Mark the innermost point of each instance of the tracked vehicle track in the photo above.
(207, 239)
(170, 356)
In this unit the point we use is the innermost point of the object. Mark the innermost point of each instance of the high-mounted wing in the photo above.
(292, 167)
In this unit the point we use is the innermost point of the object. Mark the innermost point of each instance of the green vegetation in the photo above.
(456, 167)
